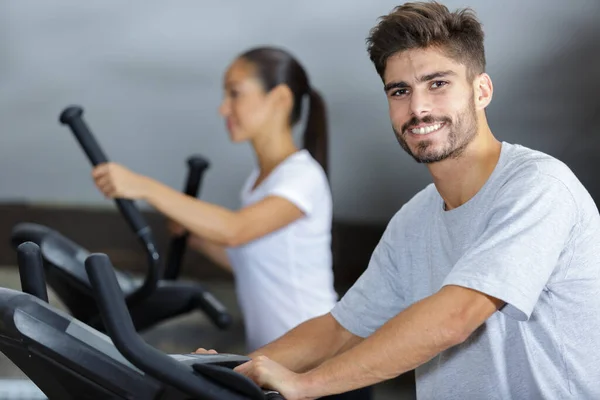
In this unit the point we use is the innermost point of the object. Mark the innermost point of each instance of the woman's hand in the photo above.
(116, 181)
(175, 228)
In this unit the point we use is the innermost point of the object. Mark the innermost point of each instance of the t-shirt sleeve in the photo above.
(529, 227)
(378, 294)
(302, 184)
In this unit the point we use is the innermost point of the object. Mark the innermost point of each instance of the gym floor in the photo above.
(186, 333)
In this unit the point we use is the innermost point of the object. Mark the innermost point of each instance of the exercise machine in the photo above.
(69, 360)
(156, 297)
(197, 165)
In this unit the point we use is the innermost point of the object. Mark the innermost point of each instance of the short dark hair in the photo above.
(419, 25)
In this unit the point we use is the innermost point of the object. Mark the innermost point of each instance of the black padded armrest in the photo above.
(233, 380)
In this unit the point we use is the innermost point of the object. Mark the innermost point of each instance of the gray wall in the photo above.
(149, 76)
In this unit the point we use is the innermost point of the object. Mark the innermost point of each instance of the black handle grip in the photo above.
(215, 310)
(117, 321)
(197, 165)
(271, 395)
(133, 216)
(175, 256)
(31, 270)
(73, 118)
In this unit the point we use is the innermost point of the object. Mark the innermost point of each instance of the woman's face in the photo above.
(246, 106)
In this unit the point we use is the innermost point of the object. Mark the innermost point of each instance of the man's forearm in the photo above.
(309, 344)
(406, 341)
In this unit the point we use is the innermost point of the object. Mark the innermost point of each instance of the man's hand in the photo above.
(116, 181)
(267, 374)
(204, 351)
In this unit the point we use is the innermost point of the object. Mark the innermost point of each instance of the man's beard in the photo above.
(460, 135)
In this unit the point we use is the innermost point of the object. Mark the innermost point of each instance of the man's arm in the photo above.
(309, 344)
(408, 340)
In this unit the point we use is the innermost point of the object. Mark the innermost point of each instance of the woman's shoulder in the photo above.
(301, 165)
(301, 178)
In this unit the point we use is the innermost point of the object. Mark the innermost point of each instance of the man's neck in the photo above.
(459, 179)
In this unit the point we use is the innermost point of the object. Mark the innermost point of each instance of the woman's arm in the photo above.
(218, 224)
(215, 252)
(214, 223)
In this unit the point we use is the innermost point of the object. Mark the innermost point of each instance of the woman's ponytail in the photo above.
(315, 133)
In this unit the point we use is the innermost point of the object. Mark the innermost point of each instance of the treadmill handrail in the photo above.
(31, 270)
(119, 326)
(197, 166)
(73, 117)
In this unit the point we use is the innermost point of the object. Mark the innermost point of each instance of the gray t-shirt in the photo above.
(530, 237)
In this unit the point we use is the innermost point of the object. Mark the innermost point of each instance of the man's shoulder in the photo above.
(413, 210)
(532, 173)
(533, 167)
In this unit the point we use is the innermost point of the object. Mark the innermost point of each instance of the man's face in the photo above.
(431, 104)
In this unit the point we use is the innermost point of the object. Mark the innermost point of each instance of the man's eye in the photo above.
(438, 84)
(399, 92)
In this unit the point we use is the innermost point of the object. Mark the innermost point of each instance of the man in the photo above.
(487, 282)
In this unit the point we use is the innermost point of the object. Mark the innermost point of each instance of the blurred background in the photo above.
(149, 76)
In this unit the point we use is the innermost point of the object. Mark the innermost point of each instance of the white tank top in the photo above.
(286, 277)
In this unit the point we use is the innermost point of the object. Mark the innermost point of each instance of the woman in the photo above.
(278, 244)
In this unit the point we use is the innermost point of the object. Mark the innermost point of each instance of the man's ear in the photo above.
(484, 90)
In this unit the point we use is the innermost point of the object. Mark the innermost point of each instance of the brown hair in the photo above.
(420, 25)
(276, 66)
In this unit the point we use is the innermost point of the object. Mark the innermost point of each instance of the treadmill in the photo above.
(68, 360)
